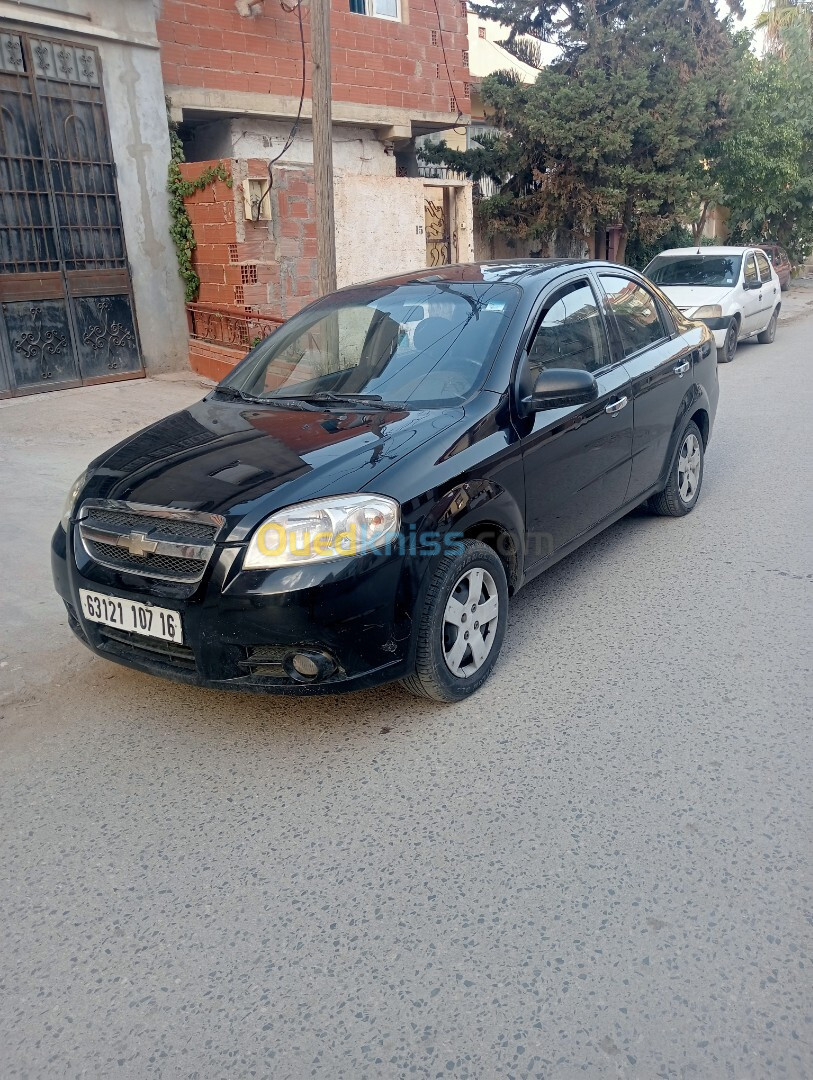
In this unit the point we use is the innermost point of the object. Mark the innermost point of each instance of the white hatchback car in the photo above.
(733, 290)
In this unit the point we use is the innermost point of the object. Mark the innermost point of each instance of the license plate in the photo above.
(130, 615)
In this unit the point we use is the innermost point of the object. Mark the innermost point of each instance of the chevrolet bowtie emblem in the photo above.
(137, 543)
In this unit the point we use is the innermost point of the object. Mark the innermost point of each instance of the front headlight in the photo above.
(710, 311)
(323, 529)
(73, 494)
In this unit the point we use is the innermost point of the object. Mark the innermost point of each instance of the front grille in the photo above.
(123, 643)
(152, 541)
(194, 530)
(162, 566)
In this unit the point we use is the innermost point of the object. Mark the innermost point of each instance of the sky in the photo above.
(752, 9)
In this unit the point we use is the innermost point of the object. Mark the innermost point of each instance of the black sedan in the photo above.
(359, 499)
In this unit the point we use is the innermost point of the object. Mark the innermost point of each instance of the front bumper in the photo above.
(239, 627)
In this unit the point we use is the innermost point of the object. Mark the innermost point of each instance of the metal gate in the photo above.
(66, 310)
(437, 226)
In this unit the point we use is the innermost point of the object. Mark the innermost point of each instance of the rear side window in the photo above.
(751, 275)
(764, 267)
(570, 333)
(636, 313)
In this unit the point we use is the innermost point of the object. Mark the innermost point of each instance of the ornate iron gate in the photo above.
(66, 310)
(436, 226)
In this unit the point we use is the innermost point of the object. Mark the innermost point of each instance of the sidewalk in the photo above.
(798, 300)
(45, 442)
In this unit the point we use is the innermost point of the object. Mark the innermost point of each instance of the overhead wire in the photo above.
(289, 141)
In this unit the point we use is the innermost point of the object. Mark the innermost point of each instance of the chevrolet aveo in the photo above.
(356, 502)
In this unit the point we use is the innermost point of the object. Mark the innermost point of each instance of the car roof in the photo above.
(706, 251)
(495, 271)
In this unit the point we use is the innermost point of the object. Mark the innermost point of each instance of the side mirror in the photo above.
(558, 387)
(751, 285)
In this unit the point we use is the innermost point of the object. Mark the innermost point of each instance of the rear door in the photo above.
(660, 368)
(576, 458)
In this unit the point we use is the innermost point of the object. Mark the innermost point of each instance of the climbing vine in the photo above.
(180, 229)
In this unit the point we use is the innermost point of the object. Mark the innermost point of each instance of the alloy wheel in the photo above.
(470, 622)
(689, 464)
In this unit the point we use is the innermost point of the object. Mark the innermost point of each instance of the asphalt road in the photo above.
(600, 866)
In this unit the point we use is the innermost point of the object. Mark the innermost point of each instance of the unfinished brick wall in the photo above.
(261, 266)
(268, 266)
(206, 43)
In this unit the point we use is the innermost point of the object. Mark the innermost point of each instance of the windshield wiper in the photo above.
(233, 392)
(375, 401)
(277, 402)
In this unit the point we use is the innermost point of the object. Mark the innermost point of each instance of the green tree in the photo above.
(765, 167)
(617, 129)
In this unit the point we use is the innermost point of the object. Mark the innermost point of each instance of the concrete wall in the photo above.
(356, 150)
(377, 220)
(124, 34)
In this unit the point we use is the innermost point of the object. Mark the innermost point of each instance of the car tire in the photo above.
(769, 333)
(448, 665)
(682, 489)
(729, 349)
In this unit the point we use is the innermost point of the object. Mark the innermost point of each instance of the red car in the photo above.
(781, 263)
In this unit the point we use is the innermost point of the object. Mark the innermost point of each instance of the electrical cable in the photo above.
(289, 141)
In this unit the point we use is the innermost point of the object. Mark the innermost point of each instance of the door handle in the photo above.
(615, 406)
(681, 369)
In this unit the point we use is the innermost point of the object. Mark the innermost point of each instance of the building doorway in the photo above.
(66, 306)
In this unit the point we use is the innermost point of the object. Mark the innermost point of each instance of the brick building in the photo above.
(233, 75)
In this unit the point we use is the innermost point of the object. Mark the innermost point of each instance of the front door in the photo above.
(66, 311)
(752, 298)
(577, 459)
(769, 291)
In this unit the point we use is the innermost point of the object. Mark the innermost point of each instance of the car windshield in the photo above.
(427, 343)
(717, 271)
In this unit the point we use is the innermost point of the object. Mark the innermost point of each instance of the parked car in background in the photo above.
(733, 290)
(780, 262)
(354, 504)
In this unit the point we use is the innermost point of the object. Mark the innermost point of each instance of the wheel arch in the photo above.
(501, 542)
(484, 510)
(701, 418)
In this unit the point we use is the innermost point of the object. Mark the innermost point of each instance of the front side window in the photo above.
(570, 333)
(636, 313)
(382, 9)
(751, 275)
(429, 344)
(764, 267)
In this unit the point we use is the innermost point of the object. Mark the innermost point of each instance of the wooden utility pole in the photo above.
(323, 146)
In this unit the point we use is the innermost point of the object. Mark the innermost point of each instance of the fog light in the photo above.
(305, 666)
(311, 666)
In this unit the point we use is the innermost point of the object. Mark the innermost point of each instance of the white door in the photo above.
(752, 301)
(770, 288)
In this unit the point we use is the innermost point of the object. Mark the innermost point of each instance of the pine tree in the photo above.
(616, 131)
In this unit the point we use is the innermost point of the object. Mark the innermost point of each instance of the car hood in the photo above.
(244, 460)
(688, 297)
